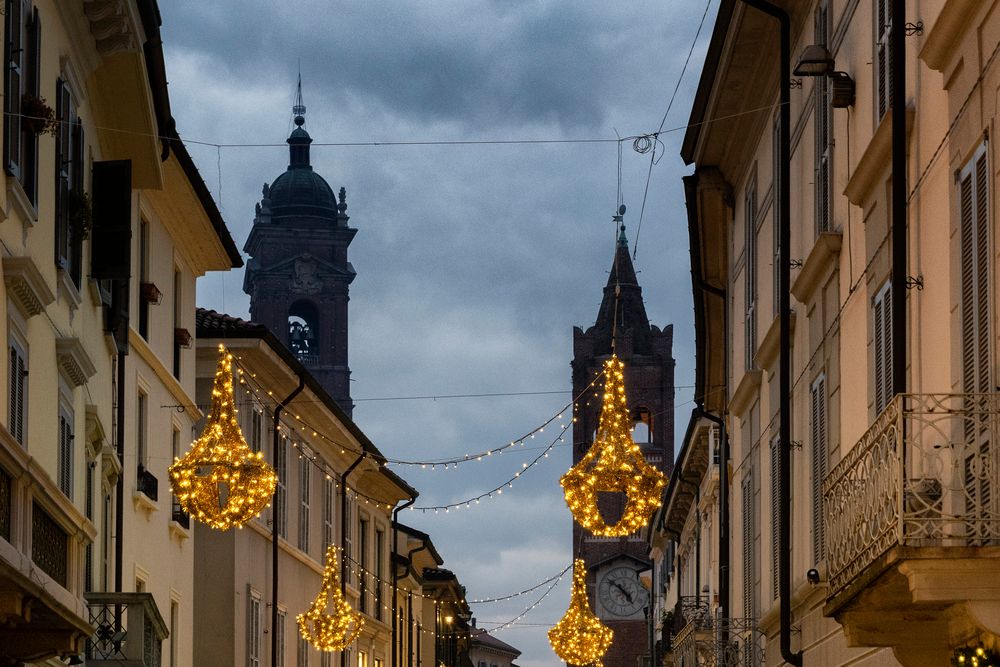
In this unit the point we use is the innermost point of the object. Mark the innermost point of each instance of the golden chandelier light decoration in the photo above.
(579, 637)
(220, 481)
(613, 464)
(333, 631)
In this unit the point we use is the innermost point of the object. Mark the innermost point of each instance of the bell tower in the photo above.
(622, 327)
(298, 275)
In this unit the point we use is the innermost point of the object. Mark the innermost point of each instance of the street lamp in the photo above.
(816, 61)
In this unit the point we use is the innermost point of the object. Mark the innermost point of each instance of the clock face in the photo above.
(621, 593)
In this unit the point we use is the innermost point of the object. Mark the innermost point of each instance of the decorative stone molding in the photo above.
(875, 160)
(744, 392)
(95, 433)
(26, 285)
(767, 351)
(110, 25)
(821, 260)
(73, 360)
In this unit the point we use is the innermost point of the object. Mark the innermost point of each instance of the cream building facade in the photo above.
(895, 526)
(94, 177)
(333, 488)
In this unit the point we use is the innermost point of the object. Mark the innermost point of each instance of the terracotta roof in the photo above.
(480, 636)
(211, 321)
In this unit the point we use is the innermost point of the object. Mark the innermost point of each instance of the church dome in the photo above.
(300, 191)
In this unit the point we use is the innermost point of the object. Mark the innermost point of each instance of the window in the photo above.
(256, 426)
(749, 565)
(882, 347)
(823, 129)
(883, 59)
(363, 567)
(975, 270)
(326, 659)
(975, 325)
(820, 454)
(254, 630)
(348, 576)
(305, 468)
(69, 184)
(279, 634)
(18, 390)
(22, 94)
(329, 497)
(379, 573)
(302, 657)
(178, 301)
(145, 297)
(88, 504)
(362, 659)
(174, 629)
(280, 511)
(65, 449)
(750, 269)
(775, 513)
(141, 428)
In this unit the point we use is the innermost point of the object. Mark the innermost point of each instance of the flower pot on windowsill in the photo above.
(37, 116)
(182, 337)
(149, 293)
(81, 214)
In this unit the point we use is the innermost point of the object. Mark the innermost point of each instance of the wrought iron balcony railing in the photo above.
(178, 515)
(130, 630)
(731, 642)
(924, 474)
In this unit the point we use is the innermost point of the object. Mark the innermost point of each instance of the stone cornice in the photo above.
(26, 285)
(748, 384)
(74, 362)
(875, 160)
(821, 260)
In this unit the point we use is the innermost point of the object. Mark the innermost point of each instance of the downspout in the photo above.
(784, 338)
(897, 78)
(274, 529)
(395, 577)
(120, 486)
(343, 534)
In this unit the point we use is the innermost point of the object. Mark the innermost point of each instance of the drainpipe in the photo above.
(395, 577)
(897, 78)
(343, 534)
(276, 435)
(784, 339)
(120, 486)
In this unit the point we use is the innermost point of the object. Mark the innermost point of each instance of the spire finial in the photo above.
(622, 239)
(299, 109)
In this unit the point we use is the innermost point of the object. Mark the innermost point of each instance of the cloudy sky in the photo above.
(474, 261)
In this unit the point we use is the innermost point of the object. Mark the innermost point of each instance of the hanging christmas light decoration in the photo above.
(579, 637)
(613, 464)
(334, 630)
(220, 481)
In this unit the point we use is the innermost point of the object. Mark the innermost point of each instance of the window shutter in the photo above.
(748, 538)
(17, 393)
(65, 455)
(33, 68)
(820, 454)
(882, 344)
(111, 238)
(63, 132)
(775, 518)
(12, 86)
(982, 275)
(882, 57)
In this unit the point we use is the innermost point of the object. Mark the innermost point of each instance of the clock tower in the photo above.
(298, 274)
(613, 563)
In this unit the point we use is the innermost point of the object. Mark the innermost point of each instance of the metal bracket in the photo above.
(795, 263)
(917, 282)
(794, 83)
(796, 444)
(912, 29)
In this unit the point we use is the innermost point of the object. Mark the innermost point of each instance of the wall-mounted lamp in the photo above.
(816, 61)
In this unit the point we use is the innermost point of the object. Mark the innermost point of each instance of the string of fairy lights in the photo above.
(223, 483)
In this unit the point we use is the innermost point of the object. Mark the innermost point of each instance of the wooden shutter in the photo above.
(882, 347)
(18, 396)
(748, 542)
(31, 82)
(13, 72)
(63, 133)
(820, 456)
(65, 454)
(882, 57)
(775, 514)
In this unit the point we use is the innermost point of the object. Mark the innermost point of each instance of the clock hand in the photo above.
(627, 595)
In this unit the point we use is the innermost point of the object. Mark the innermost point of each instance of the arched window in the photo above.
(302, 331)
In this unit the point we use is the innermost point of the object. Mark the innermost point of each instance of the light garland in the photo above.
(220, 481)
(336, 630)
(979, 656)
(579, 637)
(613, 464)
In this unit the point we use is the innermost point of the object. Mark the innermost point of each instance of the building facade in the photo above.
(622, 326)
(298, 275)
(488, 651)
(333, 488)
(893, 516)
(98, 333)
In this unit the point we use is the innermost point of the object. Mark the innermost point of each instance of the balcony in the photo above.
(130, 630)
(912, 519)
(699, 638)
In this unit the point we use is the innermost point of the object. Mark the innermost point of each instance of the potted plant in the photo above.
(37, 116)
(81, 214)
